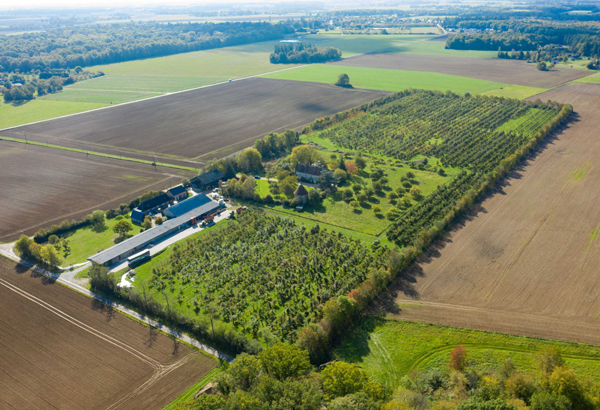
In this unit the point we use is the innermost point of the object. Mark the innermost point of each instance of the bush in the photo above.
(52, 239)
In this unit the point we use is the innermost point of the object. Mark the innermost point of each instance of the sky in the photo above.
(20, 4)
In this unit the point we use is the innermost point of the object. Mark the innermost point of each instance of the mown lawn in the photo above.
(386, 79)
(87, 241)
(390, 349)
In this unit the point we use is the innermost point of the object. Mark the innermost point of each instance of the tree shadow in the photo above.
(152, 336)
(103, 308)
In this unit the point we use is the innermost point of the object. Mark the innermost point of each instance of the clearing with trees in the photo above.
(67, 351)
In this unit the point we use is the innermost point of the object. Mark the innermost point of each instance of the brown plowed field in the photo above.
(531, 249)
(215, 120)
(499, 70)
(42, 186)
(62, 350)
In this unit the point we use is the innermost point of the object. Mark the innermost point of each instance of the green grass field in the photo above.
(87, 241)
(38, 110)
(591, 79)
(390, 349)
(520, 92)
(387, 80)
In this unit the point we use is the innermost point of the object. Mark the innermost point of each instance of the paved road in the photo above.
(6, 250)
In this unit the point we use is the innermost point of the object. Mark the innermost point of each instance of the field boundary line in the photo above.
(117, 306)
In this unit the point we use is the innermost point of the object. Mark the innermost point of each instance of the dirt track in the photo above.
(191, 124)
(43, 186)
(503, 71)
(528, 259)
(61, 350)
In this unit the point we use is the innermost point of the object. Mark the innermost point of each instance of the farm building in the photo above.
(123, 250)
(137, 216)
(178, 193)
(153, 204)
(198, 203)
(308, 172)
(207, 180)
(301, 193)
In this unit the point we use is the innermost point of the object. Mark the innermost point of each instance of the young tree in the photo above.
(250, 160)
(313, 197)
(327, 181)
(185, 182)
(458, 358)
(122, 228)
(147, 224)
(313, 339)
(23, 246)
(96, 219)
(50, 255)
(343, 80)
(304, 154)
(342, 164)
(340, 174)
(360, 162)
(351, 168)
(415, 192)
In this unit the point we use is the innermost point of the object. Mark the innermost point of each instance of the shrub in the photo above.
(52, 239)
(458, 358)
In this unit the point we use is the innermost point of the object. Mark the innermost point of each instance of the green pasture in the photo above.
(386, 79)
(520, 92)
(390, 349)
(37, 110)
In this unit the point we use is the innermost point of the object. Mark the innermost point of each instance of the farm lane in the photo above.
(526, 261)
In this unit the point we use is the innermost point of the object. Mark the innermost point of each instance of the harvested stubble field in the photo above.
(216, 120)
(527, 260)
(59, 349)
(498, 70)
(44, 186)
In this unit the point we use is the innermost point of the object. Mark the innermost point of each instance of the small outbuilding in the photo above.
(137, 216)
(178, 192)
(301, 193)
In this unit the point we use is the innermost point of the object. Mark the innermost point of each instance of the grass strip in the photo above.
(99, 154)
(189, 394)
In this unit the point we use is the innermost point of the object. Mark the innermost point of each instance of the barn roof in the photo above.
(308, 169)
(208, 178)
(177, 190)
(301, 191)
(154, 202)
(190, 204)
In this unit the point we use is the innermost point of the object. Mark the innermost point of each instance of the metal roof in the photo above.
(187, 205)
(151, 234)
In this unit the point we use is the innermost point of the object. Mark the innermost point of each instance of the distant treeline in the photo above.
(301, 53)
(523, 35)
(104, 44)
